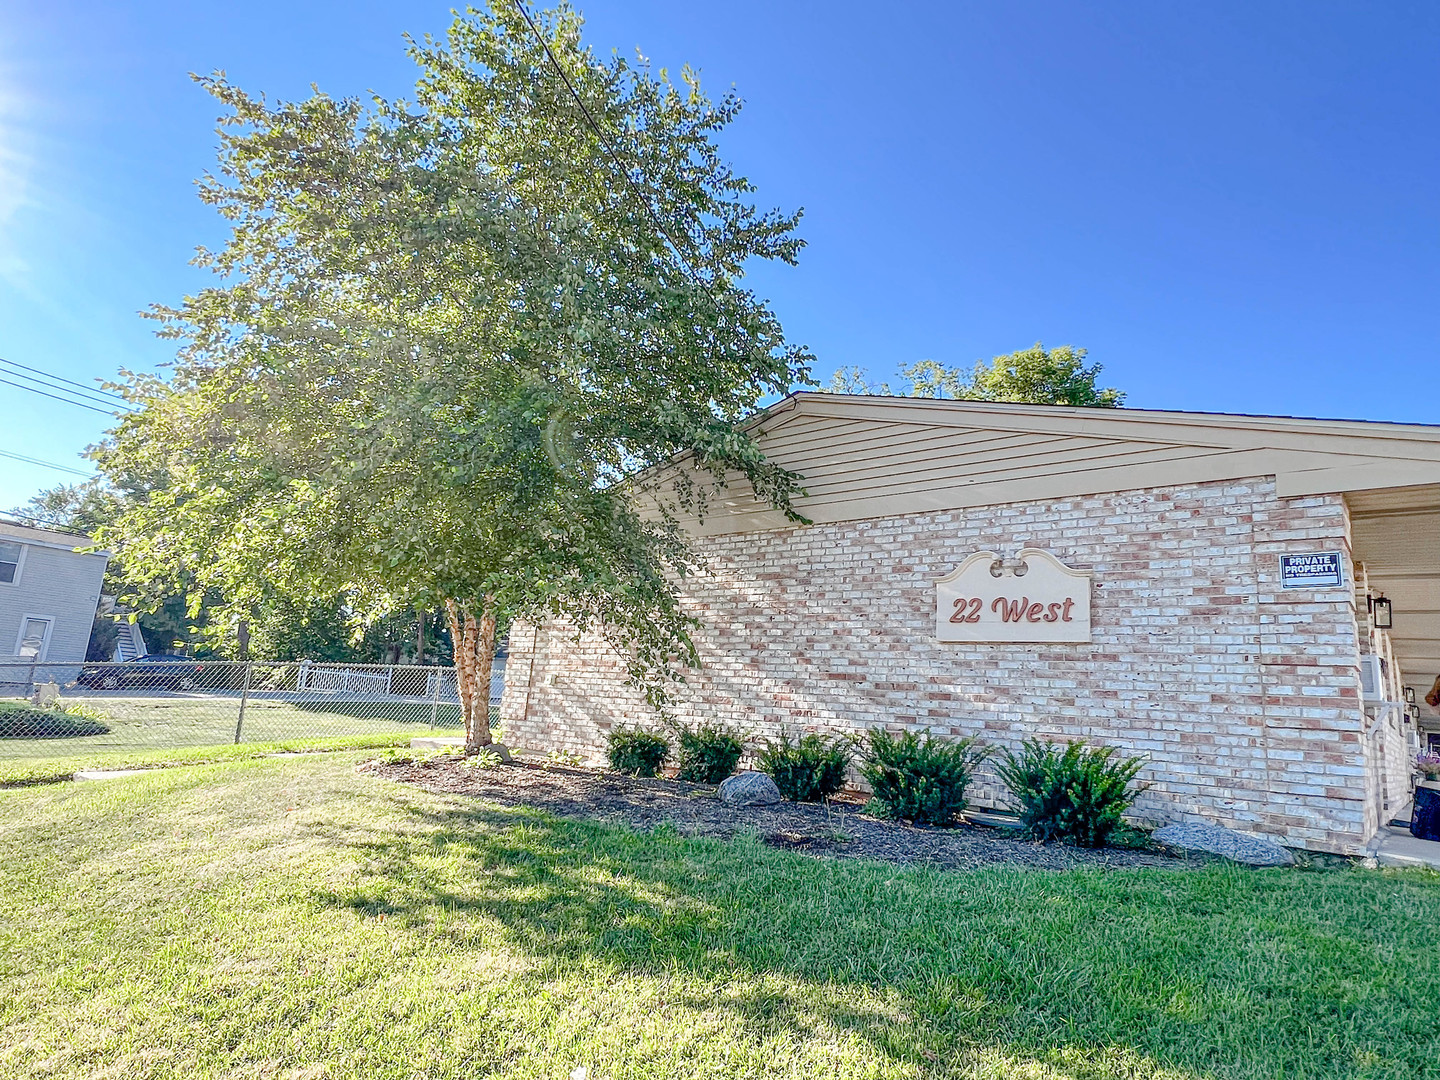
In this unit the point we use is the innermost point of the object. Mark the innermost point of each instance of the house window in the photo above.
(10, 555)
(34, 640)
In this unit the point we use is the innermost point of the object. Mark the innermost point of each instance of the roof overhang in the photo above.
(31, 536)
(864, 456)
(1395, 533)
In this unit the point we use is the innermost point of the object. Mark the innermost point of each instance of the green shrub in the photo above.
(875, 808)
(708, 753)
(921, 780)
(1077, 795)
(637, 752)
(808, 769)
(19, 721)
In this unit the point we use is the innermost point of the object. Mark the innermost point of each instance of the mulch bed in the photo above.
(836, 829)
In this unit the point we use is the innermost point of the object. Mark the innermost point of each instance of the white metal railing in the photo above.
(367, 678)
(344, 679)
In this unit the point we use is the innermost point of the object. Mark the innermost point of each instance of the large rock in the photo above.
(1241, 847)
(749, 789)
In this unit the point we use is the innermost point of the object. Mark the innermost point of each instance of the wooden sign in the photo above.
(1033, 597)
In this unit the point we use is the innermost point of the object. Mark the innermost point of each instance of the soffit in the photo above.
(1395, 535)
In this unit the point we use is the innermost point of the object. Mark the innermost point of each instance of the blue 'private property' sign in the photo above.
(1320, 570)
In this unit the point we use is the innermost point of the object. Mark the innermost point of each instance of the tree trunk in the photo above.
(474, 658)
(484, 665)
(419, 637)
(464, 675)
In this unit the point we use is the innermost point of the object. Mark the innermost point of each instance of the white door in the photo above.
(34, 640)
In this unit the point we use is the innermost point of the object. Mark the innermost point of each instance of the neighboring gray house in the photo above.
(48, 594)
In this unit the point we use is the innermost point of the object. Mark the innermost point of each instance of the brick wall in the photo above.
(1245, 699)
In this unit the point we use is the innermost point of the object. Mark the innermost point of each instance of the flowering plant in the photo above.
(1429, 764)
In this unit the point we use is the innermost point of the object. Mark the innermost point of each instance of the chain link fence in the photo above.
(53, 710)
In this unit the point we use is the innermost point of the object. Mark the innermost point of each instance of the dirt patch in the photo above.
(836, 829)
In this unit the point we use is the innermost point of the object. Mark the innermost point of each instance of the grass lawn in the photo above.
(140, 721)
(17, 772)
(291, 918)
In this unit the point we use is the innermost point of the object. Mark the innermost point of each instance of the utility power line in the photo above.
(54, 523)
(64, 391)
(66, 400)
(60, 378)
(46, 464)
(614, 156)
(59, 388)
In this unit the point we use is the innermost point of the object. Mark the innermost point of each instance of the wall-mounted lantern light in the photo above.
(1409, 695)
(1384, 615)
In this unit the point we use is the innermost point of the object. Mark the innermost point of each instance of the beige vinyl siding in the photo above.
(864, 457)
(958, 481)
(1419, 441)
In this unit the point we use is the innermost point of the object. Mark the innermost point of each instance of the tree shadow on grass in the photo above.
(1081, 975)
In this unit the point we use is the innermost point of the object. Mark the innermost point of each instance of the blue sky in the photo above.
(1232, 205)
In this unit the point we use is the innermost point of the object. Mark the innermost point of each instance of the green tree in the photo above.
(856, 380)
(79, 508)
(276, 627)
(447, 334)
(1040, 376)
(1034, 376)
(161, 608)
